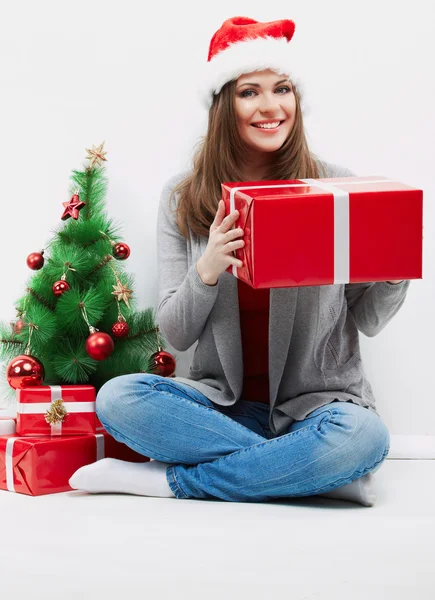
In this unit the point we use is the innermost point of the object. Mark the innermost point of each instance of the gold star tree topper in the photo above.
(96, 155)
(122, 292)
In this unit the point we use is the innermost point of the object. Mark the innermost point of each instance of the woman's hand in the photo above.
(394, 282)
(222, 241)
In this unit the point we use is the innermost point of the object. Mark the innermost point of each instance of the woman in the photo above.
(270, 408)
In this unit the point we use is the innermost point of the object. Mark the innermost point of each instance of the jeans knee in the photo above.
(366, 432)
(117, 399)
(376, 438)
(105, 399)
(383, 436)
(110, 397)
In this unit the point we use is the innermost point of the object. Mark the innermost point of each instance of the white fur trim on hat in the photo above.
(245, 57)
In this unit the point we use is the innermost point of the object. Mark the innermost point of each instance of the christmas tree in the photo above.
(75, 321)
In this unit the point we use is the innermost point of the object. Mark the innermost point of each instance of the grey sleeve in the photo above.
(333, 170)
(375, 303)
(184, 300)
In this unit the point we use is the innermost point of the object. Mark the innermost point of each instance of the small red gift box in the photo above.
(56, 410)
(324, 231)
(44, 464)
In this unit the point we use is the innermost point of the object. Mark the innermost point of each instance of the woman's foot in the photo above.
(360, 490)
(119, 476)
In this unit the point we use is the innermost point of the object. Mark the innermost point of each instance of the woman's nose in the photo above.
(269, 103)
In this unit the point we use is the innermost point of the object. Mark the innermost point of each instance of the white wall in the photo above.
(73, 74)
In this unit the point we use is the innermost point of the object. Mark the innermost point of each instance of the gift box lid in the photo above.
(269, 189)
(69, 393)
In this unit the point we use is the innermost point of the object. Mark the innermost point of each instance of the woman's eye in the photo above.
(245, 92)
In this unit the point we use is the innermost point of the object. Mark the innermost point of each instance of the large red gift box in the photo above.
(33, 404)
(44, 464)
(324, 231)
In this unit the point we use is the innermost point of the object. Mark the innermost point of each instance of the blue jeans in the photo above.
(229, 453)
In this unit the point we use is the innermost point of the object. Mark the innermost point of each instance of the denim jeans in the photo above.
(229, 453)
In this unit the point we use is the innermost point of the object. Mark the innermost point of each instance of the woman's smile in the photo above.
(268, 127)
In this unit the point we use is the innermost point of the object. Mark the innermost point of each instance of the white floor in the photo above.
(80, 546)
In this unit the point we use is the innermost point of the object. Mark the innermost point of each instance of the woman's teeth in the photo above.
(268, 125)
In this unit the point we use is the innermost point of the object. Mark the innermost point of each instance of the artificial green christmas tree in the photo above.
(76, 321)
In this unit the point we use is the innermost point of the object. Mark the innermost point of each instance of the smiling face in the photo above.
(263, 97)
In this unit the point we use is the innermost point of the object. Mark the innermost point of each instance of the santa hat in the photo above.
(243, 45)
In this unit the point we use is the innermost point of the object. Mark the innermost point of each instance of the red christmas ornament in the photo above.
(17, 326)
(25, 371)
(60, 287)
(72, 208)
(121, 251)
(99, 345)
(120, 329)
(163, 363)
(35, 261)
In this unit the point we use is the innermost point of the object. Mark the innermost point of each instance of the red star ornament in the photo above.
(72, 207)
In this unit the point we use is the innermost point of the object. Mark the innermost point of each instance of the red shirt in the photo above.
(254, 325)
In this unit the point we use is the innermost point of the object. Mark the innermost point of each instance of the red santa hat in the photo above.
(243, 45)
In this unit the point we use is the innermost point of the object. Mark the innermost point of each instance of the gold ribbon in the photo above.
(57, 412)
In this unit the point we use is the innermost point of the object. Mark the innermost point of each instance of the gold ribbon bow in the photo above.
(57, 412)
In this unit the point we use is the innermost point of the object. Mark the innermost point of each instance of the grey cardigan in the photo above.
(314, 351)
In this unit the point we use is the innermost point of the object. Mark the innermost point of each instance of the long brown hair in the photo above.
(217, 158)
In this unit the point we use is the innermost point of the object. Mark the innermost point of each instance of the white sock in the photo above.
(119, 476)
(360, 490)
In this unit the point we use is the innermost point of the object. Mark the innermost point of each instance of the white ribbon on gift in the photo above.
(9, 464)
(37, 408)
(100, 450)
(341, 219)
(99, 437)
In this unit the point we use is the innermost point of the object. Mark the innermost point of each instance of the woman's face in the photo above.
(264, 96)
